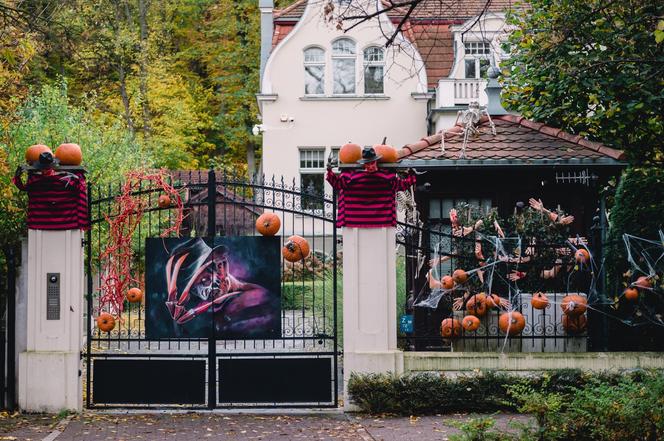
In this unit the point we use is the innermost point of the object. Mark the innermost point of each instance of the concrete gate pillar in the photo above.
(49, 369)
(369, 303)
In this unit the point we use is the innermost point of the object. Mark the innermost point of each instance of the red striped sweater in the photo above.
(57, 201)
(367, 200)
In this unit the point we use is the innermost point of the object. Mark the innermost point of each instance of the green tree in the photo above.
(592, 68)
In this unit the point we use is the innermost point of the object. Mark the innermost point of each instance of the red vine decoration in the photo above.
(116, 260)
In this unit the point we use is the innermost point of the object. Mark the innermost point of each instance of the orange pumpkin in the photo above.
(295, 249)
(387, 152)
(268, 224)
(134, 295)
(460, 276)
(32, 153)
(105, 322)
(450, 328)
(539, 301)
(470, 323)
(476, 305)
(631, 294)
(164, 201)
(574, 325)
(448, 282)
(492, 301)
(69, 154)
(582, 255)
(574, 305)
(643, 282)
(511, 323)
(350, 153)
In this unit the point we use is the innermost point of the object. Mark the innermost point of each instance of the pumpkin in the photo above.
(539, 301)
(476, 305)
(574, 325)
(32, 153)
(574, 305)
(295, 249)
(448, 282)
(164, 201)
(582, 255)
(460, 276)
(643, 282)
(511, 323)
(492, 301)
(631, 294)
(69, 154)
(268, 224)
(134, 295)
(105, 322)
(350, 153)
(470, 323)
(387, 152)
(450, 328)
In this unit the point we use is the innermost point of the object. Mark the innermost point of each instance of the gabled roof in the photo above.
(516, 139)
(428, 27)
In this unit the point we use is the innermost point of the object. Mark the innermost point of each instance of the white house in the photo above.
(321, 87)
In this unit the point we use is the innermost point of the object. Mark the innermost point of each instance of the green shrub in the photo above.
(478, 429)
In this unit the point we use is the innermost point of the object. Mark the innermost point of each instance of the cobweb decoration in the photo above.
(646, 260)
(116, 259)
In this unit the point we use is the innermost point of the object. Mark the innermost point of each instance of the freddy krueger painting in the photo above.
(230, 287)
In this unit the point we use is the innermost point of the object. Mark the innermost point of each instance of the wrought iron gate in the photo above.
(8, 266)
(128, 368)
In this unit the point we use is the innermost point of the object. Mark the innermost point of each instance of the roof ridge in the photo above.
(561, 134)
(279, 12)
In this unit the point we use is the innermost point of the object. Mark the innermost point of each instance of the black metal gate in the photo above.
(8, 265)
(126, 368)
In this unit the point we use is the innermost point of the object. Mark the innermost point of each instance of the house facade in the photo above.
(322, 87)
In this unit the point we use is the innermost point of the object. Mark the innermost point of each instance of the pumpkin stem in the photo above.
(384, 140)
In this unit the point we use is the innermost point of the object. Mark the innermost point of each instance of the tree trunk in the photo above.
(125, 97)
(142, 13)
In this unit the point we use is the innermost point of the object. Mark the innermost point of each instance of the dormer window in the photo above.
(477, 58)
(374, 63)
(343, 66)
(314, 71)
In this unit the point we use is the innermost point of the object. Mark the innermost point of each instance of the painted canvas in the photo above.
(229, 286)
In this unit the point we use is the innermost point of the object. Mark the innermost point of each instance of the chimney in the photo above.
(267, 29)
(493, 89)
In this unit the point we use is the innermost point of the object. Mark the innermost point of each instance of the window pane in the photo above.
(470, 68)
(343, 46)
(314, 80)
(448, 204)
(344, 75)
(373, 54)
(311, 191)
(434, 209)
(314, 55)
(484, 67)
(373, 79)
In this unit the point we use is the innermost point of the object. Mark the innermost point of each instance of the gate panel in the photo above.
(217, 204)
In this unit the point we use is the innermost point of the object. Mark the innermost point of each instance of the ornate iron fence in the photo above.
(131, 366)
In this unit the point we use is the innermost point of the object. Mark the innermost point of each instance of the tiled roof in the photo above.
(516, 138)
(436, 46)
(450, 9)
(291, 12)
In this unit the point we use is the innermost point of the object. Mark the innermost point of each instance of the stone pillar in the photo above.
(49, 369)
(369, 303)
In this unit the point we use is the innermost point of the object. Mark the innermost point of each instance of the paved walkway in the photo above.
(222, 426)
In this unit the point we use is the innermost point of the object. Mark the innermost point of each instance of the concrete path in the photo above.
(234, 426)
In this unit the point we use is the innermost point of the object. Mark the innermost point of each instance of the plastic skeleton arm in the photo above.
(176, 307)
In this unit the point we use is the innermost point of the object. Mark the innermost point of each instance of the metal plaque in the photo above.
(53, 296)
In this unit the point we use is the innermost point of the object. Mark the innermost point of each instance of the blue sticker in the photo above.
(406, 323)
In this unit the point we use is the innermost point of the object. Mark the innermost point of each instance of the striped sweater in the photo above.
(56, 201)
(367, 200)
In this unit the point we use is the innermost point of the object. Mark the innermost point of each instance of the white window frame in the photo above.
(307, 170)
(314, 63)
(373, 63)
(476, 51)
(344, 56)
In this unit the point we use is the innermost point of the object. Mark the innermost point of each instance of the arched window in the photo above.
(343, 66)
(314, 71)
(374, 63)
